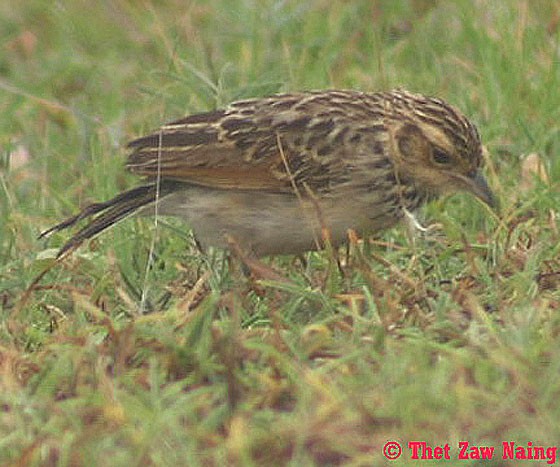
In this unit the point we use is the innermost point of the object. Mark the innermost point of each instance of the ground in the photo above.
(116, 357)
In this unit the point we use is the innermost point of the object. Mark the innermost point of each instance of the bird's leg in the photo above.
(255, 268)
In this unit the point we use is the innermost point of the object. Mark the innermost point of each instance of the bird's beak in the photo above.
(478, 186)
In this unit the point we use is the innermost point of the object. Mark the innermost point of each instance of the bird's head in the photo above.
(436, 147)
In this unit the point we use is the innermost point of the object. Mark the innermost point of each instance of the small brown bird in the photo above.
(275, 173)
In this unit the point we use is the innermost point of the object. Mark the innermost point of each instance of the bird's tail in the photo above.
(104, 215)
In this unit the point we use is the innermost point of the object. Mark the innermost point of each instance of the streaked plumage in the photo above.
(273, 172)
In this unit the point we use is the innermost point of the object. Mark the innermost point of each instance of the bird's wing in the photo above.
(271, 144)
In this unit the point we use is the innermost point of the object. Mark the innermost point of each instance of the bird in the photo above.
(279, 174)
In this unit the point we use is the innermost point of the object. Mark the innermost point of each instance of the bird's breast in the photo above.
(277, 223)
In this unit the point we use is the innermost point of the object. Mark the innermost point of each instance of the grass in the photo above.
(454, 337)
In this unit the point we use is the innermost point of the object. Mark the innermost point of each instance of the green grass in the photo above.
(107, 361)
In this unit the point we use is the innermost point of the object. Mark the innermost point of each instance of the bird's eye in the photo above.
(440, 157)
